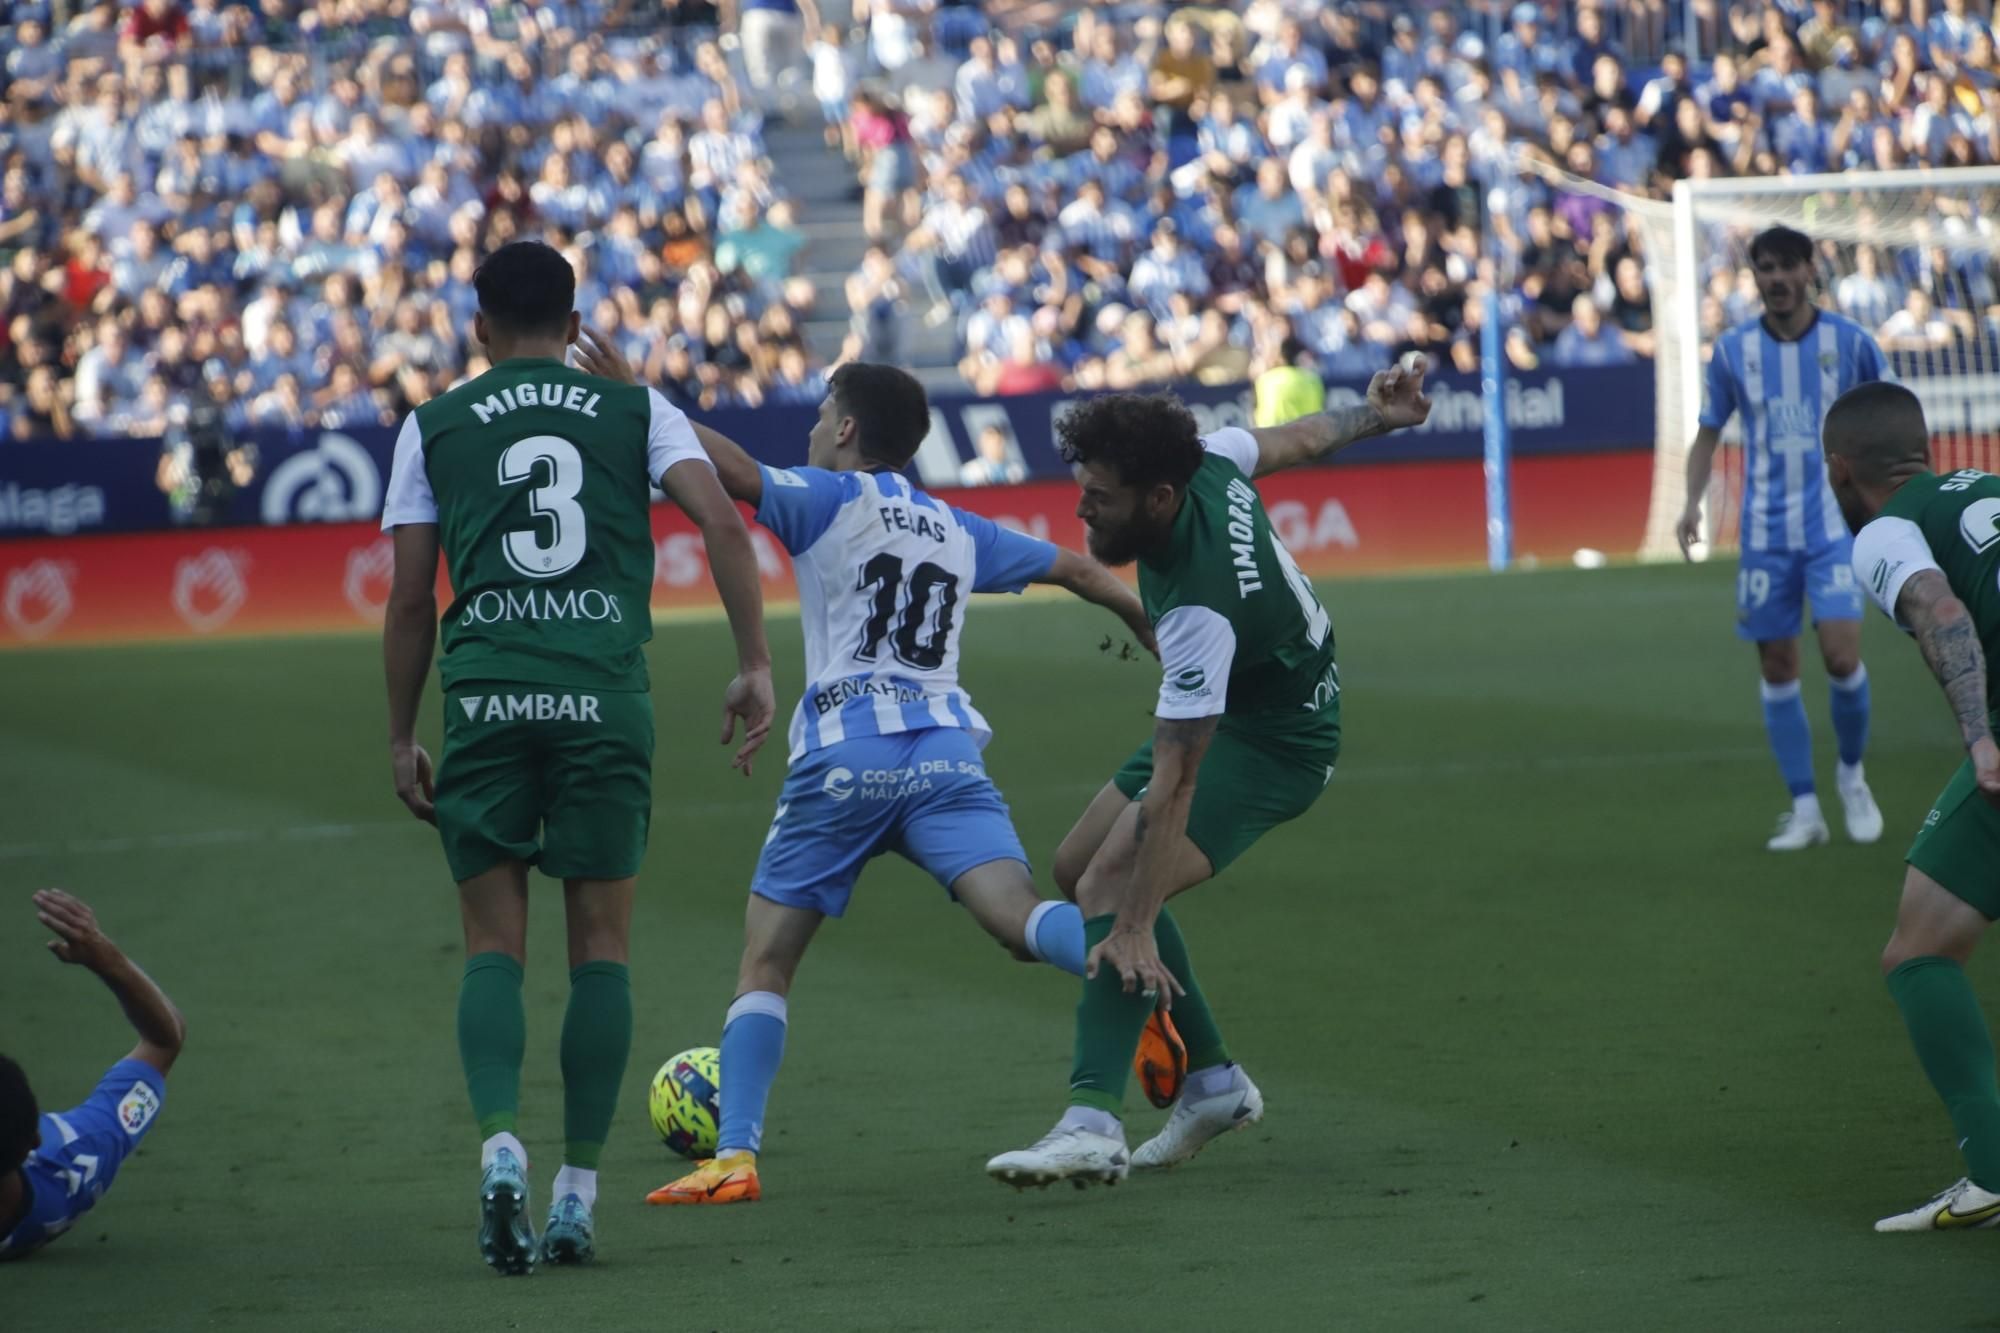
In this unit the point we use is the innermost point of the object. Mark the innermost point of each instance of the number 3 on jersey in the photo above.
(553, 501)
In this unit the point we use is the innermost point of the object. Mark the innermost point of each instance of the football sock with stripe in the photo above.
(753, 1046)
(1108, 1023)
(596, 1041)
(1956, 1051)
(1849, 699)
(1055, 935)
(1192, 1017)
(492, 1038)
(1791, 734)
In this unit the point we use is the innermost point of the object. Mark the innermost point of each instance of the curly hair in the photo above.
(1147, 439)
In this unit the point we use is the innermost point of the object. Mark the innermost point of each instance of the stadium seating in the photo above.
(280, 206)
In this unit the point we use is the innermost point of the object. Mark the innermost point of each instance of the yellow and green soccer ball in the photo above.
(686, 1102)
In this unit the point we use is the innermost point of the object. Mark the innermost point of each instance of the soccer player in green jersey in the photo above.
(1246, 736)
(1928, 552)
(535, 478)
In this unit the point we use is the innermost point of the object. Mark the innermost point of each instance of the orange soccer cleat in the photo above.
(730, 1179)
(1161, 1063)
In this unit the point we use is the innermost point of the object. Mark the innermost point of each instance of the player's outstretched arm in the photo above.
(732, 562)
(1950, 642)
(78, 940)
(409, 634)
(1701, 460)
(1099, 586)
(1395, 400)
(597, 355)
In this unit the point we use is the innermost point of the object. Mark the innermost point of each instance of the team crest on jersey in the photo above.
(137, 1109)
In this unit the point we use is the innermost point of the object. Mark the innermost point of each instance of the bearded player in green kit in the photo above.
(1927, 549)
(1246, 735)
(536, 480)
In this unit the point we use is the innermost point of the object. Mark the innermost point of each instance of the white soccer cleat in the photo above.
(1797, 831)
(1194, 1123)
(1863, 816)
(1963, 1207)
(1072, 1154)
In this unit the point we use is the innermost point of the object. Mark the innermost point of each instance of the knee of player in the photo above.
(1841, 665)
(1779, 664)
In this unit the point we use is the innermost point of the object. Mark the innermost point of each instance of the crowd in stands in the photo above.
(280, 206)
(1206, 193)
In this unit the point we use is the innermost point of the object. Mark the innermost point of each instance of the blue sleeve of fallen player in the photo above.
(800, 504)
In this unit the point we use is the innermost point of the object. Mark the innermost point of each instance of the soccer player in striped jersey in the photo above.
(885, 744)
(1782, 372)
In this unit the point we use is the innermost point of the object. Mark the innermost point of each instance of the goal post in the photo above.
(1879, 237)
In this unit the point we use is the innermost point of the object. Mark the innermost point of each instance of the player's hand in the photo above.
(1986, 768)
(78, 940)
(597, 355)
(414, 784)
(1397, 394)
(1137, 959)
(1688, 530)
(749, 698)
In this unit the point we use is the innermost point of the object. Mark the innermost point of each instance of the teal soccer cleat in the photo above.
(506, 1241)
(568, 1238)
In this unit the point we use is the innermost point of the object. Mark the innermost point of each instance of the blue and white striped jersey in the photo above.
(1783, 390)
(882, 570)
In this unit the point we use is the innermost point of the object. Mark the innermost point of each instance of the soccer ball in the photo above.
(686, 1102)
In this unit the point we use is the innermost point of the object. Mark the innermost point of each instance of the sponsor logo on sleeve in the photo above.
(137, 1109)
(787, 477)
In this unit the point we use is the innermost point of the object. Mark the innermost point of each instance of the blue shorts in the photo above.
(1772, 588)
(923, 795)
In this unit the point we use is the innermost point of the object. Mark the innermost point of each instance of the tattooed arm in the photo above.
(1395, 400)
(1950, 643)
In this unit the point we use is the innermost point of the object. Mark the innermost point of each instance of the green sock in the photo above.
(1108, 1024)
(492, 1036)
(1192, 1016)
(596, 1039)
(1956, 1051)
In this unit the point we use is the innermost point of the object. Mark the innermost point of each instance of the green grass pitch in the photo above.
(1549, 1042)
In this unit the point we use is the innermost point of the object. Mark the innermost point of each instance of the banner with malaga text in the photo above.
(332, 577)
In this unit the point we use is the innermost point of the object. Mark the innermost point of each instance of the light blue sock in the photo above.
(1850, 714)
(1791, 734)
(1055, 935)
(753, 1045)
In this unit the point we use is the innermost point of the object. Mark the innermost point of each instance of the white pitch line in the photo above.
(1359, 775)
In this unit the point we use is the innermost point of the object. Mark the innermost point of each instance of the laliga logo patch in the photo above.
(839, 784)
(335, 482)
(37, 599)
(369, 569)
(209, 588)
(138, 1108)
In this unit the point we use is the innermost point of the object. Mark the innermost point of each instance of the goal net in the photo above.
(1913, 256)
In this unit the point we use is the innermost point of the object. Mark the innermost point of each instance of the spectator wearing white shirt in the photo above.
(108, 377)
(1166, 270)
(1315, 157)
(1917, 327)
(1865, 295)
(1109, 71)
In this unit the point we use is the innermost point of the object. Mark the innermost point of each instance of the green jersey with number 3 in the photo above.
(1241, 632)
(539, 479)
(1950, 524)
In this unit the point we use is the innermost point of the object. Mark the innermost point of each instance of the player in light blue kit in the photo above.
(885, 745)
(1782, 372)
(54, 1168)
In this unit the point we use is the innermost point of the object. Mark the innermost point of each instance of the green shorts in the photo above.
(556, 777)
(1247, 786)
(1959, 844)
